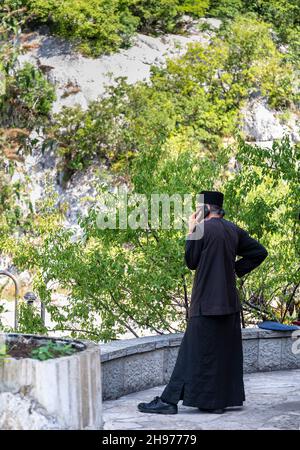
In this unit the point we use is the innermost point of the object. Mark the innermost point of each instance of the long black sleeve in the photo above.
(252, 252)
(193, 249)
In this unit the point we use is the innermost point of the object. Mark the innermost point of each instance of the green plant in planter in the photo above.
(52, 350)
(30, 320)
(4, 355)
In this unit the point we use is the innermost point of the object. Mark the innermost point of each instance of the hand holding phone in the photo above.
(200, 213)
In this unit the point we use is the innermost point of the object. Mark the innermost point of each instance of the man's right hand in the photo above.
(192, 222)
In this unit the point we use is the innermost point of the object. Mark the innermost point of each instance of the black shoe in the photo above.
(158, 406)
(213, 411)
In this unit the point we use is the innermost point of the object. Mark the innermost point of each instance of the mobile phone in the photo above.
(199, 213)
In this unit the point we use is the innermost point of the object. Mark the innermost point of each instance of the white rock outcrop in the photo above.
(80, 79)
(18, 412)
(262, 124)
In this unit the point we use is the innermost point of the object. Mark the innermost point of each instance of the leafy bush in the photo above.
(115, 128)
(25, 101)
(284, 15)
(165, 136)
(30, 320)
(130, 280)
(52, 350)
(163, 14)
(102, 26)
(263, 196)
(225, 8)
(202, 90)
(25, 94)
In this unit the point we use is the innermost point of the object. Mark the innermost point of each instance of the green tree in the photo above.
(263, 197)
(128, 280)
(203, 90)
(102, 26)
(225, 8)
(121, 280)
(25, 101)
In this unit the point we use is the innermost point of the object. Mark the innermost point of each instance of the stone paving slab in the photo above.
(272, 403)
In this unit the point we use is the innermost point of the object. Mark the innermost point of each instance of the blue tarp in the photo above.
(277, 326)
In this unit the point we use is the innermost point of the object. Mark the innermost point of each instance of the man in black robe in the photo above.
(208, 372)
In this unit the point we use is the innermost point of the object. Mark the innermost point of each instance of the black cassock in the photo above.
(208, 372)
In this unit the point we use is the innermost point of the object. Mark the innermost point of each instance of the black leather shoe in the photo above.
(158, 406)
(212, 411)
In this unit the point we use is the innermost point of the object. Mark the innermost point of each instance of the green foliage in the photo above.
(25, 95)
(166, 136)
(25, 101)
(126, 279)
(284, 15)
(135, 279)
(163, 15)
(225, 8)
(201, 91)
(263, 197)
(115, 128)
(30, 321)
(258, 65)
(52, 350)
(28, 98)
(102, 26)
(4, 355)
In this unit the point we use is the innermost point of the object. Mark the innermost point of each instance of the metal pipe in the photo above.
(31, 298)
(17, 290)
(43, 313)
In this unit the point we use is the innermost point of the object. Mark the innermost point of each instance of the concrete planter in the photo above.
(60, 393)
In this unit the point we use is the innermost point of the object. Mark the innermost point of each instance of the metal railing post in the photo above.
(17, 290)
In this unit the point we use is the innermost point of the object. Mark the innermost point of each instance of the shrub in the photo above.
(225, 8)
(129, 280)
(25, 101)
(203, 90)
(95, 22)
(102, 26)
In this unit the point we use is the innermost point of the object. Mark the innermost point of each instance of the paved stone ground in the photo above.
(272, 402)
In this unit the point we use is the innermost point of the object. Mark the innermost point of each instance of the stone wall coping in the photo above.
(125, 347)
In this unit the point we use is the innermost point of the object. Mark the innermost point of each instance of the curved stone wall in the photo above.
(132, 365)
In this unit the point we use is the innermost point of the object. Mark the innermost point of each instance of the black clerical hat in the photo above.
(213, 197)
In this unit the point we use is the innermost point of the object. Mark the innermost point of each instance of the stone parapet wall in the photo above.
(132, 365)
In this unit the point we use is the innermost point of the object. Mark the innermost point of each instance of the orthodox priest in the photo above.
(208, 372)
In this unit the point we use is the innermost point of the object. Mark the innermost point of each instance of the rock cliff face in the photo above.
(23, 413)
(262, 125)
(79, 80)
